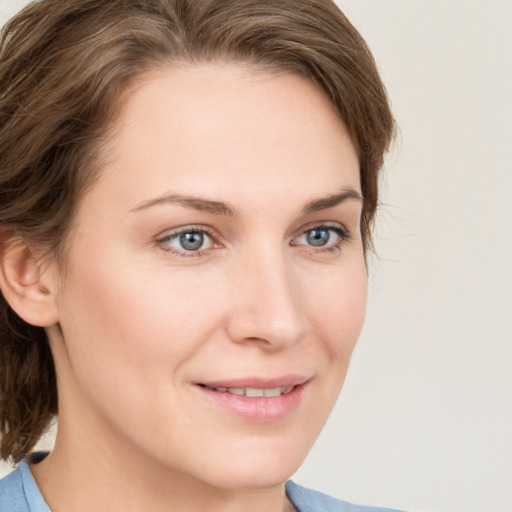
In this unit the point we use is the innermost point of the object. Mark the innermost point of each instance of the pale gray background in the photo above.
(425, 419)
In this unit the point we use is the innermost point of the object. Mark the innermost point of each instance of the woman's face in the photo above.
(215, 279)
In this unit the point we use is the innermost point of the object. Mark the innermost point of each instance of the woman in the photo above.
(187, 190)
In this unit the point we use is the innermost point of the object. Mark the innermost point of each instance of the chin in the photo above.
(252, 478)
(260, 467)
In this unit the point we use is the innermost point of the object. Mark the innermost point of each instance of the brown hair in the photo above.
(64, 65)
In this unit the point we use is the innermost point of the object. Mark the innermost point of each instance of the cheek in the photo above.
(136, 319)
(130, 336)
(337, 312)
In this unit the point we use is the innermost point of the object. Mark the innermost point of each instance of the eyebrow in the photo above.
(222, 208)
(194, 203)
(332, 201)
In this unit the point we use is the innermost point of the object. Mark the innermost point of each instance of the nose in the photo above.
(267, 302)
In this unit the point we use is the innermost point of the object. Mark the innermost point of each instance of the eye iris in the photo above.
(191, 241)
(318, 237)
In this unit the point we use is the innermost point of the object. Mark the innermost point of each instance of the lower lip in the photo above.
(265, 409)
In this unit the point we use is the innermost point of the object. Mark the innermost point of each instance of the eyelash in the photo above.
(341, 232)
(204, 230)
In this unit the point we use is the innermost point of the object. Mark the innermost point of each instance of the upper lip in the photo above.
(257, 382)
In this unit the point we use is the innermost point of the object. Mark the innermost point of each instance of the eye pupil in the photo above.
(318, 237)
(191, 241)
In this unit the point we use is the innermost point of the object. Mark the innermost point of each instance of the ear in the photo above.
(26, 285)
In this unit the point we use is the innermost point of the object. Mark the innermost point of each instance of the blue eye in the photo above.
(189, 241)
(318, 237)
(323, 236)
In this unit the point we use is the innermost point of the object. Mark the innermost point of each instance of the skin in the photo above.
(140, 321)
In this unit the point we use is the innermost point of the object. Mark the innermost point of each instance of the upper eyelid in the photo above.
(342, 233)
(317, 225)
(169, 233)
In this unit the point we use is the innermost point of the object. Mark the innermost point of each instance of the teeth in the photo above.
(234, 391)
(253, 392)
(256, 392)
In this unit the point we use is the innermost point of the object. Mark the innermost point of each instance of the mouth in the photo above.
(256, 399)
(252, 392)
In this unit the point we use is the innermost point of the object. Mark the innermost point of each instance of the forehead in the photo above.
(200, 126)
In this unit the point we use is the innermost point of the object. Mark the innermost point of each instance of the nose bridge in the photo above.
(268, 302)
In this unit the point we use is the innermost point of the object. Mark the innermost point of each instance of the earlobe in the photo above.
(25, 285)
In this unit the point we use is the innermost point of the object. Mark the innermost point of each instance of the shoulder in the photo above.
(307, 500)
(19, 491)
(12, 495)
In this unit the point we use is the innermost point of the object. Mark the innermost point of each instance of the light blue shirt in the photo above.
(19, 493)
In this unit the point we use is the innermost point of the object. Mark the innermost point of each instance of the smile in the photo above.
(255, 399)
(254, 392)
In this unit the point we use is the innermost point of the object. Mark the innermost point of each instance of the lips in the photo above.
(256, 399)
